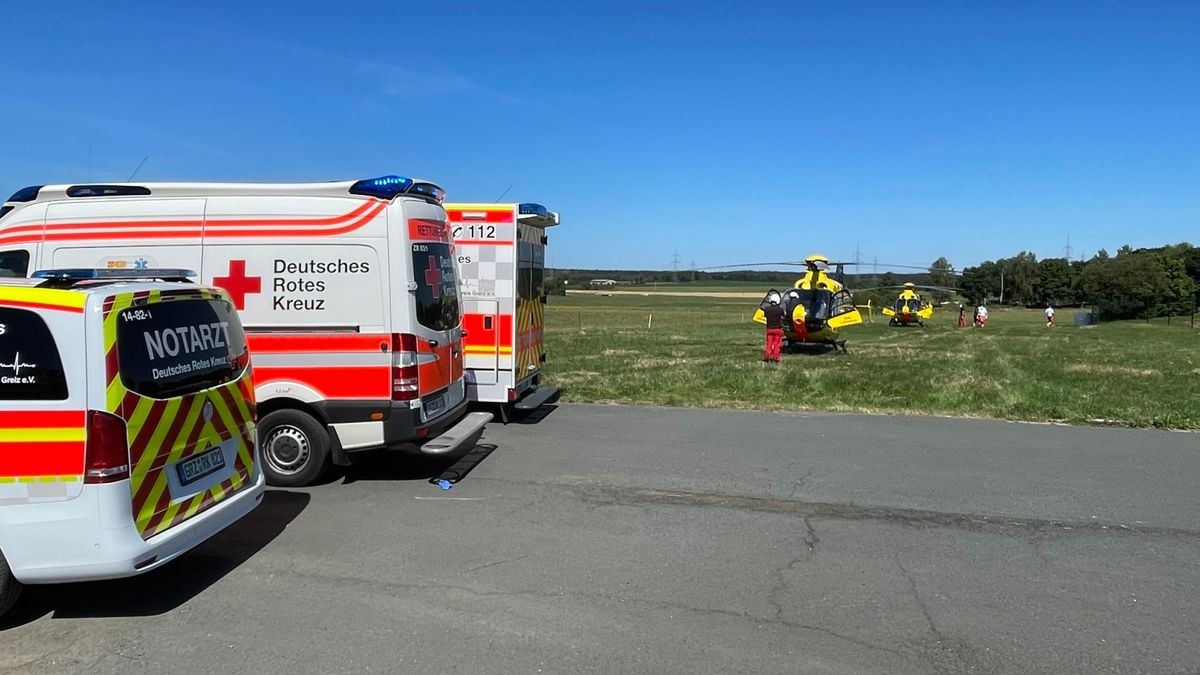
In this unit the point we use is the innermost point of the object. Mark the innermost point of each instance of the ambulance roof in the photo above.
(384, 187)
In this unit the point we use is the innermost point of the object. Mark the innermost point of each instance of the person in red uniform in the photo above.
(774, 315)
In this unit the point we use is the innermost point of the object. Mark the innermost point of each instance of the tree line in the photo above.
(1132, 284)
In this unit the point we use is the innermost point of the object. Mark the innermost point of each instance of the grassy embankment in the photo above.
(704, 351)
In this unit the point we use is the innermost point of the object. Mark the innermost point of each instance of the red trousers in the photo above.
(774, 344)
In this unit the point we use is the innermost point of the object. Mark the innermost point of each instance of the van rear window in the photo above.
(30, 367)
(437, 286)
(179, 347)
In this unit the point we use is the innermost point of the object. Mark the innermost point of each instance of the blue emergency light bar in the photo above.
(429, 190)
(86, 273)
(389, 187)
(26, 194)
(533, 210)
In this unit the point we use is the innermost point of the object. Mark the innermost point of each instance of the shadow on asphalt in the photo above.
(386, 465)
(534, 416)
(515, 416)
(171, 585)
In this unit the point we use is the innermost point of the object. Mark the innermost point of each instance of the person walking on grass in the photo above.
(1049, 316)
(774, 315)
(980, 315)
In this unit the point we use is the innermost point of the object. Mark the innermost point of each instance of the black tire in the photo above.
(10, 588)
(294, 448)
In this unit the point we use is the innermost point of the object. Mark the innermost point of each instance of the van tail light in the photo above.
(106, 454)
(405, 386)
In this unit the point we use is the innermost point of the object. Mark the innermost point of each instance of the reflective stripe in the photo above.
(42, 435)
(331, 359)
(186, 228)
(32, 297)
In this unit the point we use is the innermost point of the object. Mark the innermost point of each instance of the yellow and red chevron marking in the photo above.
(176, 429)
(162, 432)
(529, 336)
(42, 445)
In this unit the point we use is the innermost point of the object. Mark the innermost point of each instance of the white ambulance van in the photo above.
(347, 291)
(126, 424)
(501, 255)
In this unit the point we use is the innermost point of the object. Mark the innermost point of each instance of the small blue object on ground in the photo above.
(445, 484)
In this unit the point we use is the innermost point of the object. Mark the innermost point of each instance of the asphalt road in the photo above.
(626, 539)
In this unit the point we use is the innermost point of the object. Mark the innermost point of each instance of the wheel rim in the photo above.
(286, 450)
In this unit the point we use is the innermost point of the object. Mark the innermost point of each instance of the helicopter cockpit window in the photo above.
(822, 304)
(842, 303)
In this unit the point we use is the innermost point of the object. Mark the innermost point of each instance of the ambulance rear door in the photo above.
(485, 249)
(531, 291)
(431, 307)
(181, 384)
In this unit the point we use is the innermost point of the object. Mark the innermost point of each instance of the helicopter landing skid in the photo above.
(839, 346)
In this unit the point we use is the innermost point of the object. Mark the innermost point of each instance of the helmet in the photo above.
(773, 297)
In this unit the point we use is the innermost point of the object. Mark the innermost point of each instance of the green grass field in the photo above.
(703, 351)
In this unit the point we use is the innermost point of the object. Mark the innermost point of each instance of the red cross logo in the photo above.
(433, 277)
(237, 284)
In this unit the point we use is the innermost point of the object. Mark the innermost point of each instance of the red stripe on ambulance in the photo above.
(469, 216)
(344, 382)
(282, 343)
(51, 458)
(42, 419)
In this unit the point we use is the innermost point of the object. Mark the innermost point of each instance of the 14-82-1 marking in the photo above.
(474, 231)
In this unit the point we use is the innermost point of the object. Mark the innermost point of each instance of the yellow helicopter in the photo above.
(817, 306)
(909, 308)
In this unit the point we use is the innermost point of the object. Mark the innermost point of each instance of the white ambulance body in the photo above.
(501, 255)
(347, 291)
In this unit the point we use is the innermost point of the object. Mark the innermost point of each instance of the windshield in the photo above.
(437, 286)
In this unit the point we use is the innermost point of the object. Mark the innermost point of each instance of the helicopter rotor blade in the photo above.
(901, 287)
(758, 264)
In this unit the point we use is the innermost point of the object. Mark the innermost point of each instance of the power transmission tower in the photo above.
(675, 265)
(1067, 250)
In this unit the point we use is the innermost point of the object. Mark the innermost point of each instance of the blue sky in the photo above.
(728, 132)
